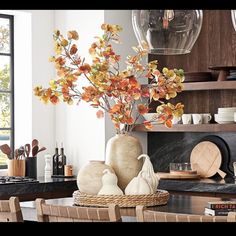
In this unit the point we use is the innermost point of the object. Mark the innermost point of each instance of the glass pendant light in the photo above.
(233, 17)
(167, 32)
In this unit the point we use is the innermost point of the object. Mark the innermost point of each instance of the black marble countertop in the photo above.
(211, 186)
(46, 188)
(64, 187)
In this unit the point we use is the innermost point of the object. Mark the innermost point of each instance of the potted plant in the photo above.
(117, 92)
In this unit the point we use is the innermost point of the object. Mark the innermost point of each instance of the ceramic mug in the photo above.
(206, 117)
(197, 119)
(186, 119)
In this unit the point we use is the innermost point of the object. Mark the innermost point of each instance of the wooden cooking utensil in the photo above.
(6, 150)
(35, 142)
(206, 159)
(41, 149)
(27, 149)
(35, 150)
(16, 153)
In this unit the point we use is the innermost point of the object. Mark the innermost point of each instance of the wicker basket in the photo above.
(159, 198)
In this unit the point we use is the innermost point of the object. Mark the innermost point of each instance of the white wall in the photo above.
(33, 37)
(77, 126)
(43, 118)
(128, 39)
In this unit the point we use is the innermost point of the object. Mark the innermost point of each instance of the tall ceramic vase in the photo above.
(122, 151)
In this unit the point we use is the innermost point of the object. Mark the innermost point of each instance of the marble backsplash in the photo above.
(167, 147)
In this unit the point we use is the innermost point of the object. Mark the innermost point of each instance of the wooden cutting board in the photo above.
(206, 159)
(164, 175)
(183, 172)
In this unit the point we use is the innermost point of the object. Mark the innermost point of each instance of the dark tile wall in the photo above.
(164, 148)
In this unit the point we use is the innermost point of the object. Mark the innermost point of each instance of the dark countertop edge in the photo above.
(43, 186)
(227, 186)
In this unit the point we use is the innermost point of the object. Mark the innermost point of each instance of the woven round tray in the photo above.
(159, 198)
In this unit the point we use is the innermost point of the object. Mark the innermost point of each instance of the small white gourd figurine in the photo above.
(148, 172)
(109, 184)
(138, 186)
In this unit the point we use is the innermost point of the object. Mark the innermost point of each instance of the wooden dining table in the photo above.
(177, 203)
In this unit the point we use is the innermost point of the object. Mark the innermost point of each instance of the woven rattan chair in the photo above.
(144, 215)
(57, 213)
(10, 210)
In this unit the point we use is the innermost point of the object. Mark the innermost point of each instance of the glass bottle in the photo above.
(55, 161)
(61, 161)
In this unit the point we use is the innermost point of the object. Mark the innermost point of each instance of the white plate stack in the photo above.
(225, 115)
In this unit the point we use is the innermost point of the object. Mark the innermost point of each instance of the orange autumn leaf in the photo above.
(168, 123)
(136, 94)
(148, 125)
(116, 108)
(71, 78)
(117, 125)
(100, 114)
(167, 111)
(123, 83)
(54, 99)
(73, 35)
(162, 118)
(60, 61)
(73, 49)
(117, 57)
(179, 106)
(142, 109)
(85, 68)
(133, 82)
(129, 120)
(85, 97)
(65, 91)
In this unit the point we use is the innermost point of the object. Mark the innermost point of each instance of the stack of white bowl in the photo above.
(225, 115)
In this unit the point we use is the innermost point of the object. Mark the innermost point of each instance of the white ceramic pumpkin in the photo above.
(138, 186)
(109, 184)
(148, 173)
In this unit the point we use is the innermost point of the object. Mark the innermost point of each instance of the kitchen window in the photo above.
(6, 85)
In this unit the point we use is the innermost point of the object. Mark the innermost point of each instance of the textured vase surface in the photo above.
(122, 151)
(89, 179)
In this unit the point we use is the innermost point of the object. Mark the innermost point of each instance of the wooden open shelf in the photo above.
(213, 85)
(189, 128)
